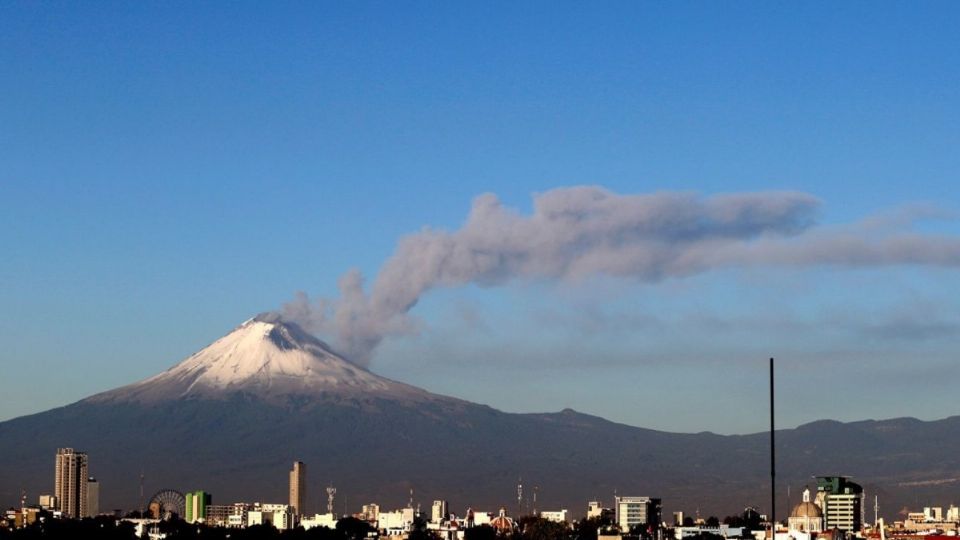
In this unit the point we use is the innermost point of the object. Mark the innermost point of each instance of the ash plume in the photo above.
(577, 232)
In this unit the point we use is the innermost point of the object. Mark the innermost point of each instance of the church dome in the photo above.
(502, 523)
(806, 509)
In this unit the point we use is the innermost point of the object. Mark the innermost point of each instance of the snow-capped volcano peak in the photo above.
(267, 357)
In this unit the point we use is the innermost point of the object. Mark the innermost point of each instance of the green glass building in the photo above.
(197, 502)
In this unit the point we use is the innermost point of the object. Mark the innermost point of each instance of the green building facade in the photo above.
(197, 502)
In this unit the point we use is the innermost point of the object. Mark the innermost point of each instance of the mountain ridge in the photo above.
(236, 438)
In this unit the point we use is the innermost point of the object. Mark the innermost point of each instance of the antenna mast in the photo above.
(773, 464)
(331, 491)
(519, 497)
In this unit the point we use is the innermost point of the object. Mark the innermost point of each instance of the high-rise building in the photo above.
(842, 503)
(70, 482)
(196, 506)
(298, 487)
(93, 498)
(439, 511)
(634, 512)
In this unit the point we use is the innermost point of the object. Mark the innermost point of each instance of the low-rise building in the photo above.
(279, 515)
(560, 516)
(397, 522)
(632, 512)
(319, 520)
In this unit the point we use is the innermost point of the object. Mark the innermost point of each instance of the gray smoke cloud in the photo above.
(577, 232)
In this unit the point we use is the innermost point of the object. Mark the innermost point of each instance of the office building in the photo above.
(298, 487)
(70, 482)
(93, 498)
(842, 503)
(634, 512)
(196, 506)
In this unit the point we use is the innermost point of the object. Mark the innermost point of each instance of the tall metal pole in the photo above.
(773, 465)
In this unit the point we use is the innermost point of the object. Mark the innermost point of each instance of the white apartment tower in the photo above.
(439, 512)
(70, 483)
(298, 487)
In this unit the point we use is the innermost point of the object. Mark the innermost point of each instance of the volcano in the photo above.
(269, 360)
(231, 419)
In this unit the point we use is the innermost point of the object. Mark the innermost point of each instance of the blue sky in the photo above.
(170, 169)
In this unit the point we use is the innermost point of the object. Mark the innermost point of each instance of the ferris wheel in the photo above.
(168, 502)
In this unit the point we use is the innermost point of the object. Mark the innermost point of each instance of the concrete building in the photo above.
(397, 522)
(280, 515)
(953, 514)
(93, 497)
(438, 512)
(48, 502)
(218, 515)
(559, 516)
(634, 512)
(842, 503)
(933, 514)
(596, 510)
(319, 520)
(70, 482)
(371, 512)
(196, 506)
(298, 487)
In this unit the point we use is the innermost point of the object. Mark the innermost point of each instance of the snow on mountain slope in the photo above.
(267, 358)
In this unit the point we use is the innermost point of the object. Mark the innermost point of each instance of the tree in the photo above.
(586, 529)
(480, 532)
(352, 528)
(537, 528)
(265, 531)
(419, 530)
(713, 521)
(733, 521)
(752, 520)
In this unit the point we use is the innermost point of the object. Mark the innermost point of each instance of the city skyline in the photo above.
(173, 172)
